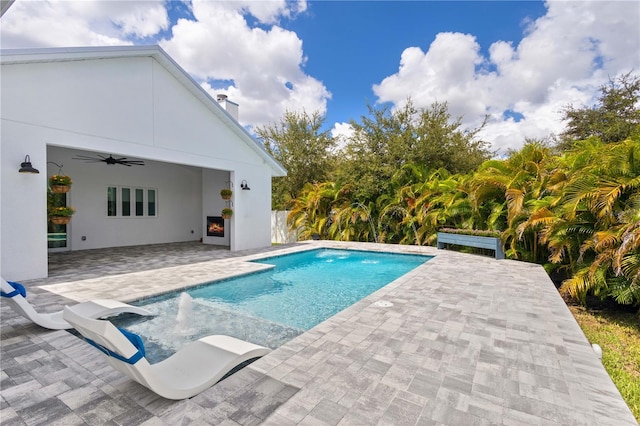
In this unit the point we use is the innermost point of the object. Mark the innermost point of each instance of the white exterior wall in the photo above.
(213, 182)
(133, 107)
(23, 229)
(252, 209)
(280, 232)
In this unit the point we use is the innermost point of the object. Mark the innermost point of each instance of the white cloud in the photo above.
(270, 11)
(50, 23)
(444, 73)
(564, 57)
(265, 66)
(141, 19)
(341, 132)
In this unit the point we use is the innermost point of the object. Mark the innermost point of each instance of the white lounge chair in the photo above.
(17, 294)
(194, 368)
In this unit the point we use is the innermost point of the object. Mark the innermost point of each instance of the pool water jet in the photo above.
(185, 312)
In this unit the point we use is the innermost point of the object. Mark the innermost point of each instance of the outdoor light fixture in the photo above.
(26, 167)
(244, 185)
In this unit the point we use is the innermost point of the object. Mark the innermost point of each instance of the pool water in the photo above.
(269, 307)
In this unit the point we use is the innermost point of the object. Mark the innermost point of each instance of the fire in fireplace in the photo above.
(215, 226)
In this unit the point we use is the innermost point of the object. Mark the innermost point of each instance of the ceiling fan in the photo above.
(110, 160)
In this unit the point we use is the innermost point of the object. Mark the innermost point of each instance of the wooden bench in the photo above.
(491, 243)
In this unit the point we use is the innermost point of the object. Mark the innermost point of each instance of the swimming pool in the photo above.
(269, 307)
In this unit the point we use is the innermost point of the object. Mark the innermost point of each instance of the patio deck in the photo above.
(468, 340)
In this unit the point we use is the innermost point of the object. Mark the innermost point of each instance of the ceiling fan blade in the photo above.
(87, 159)
(110, 160)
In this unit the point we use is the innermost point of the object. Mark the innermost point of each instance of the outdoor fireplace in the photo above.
(215, 226)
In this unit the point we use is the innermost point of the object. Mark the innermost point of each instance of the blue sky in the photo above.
(517, 62)
(354, 44)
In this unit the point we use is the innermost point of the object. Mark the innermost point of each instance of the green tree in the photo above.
(298, 143)
(385, 141)
(614, 118)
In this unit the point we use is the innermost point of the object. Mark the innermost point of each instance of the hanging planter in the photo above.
(226, 194)
(60, 184)
(60, 189)
(61, 215)
(227, 213)
(60, 220)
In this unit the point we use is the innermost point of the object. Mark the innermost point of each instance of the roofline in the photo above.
(63, 54)
(5, 5)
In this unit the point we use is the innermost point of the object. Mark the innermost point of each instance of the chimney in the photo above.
(230, 107)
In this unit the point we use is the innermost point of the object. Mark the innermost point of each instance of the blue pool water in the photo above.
(270, 307)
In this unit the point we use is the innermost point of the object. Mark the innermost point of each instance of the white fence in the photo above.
(280, 233)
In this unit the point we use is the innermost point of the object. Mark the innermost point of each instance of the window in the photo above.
(126, 201)
(138, 202)
(151, 202)
(111, 201)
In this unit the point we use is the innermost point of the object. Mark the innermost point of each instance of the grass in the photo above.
(618, 334)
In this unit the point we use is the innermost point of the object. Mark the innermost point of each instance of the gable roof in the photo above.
(64, 54)
(5, 5)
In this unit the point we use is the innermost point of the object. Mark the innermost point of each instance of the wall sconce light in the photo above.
(26, 166)
(244, 185)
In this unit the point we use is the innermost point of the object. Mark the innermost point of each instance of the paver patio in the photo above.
(467, 340)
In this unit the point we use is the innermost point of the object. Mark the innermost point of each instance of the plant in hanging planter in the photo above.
(61, 215)
(226, 194)
(62, 211)
(227, 213)
(60, 183)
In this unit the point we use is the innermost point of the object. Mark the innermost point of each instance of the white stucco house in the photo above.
(67, 106)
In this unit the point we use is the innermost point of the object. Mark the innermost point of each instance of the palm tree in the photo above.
(443, 202)
(398, 221)
(510, 195)
(626, 261)
(311, 211)
(604, 194)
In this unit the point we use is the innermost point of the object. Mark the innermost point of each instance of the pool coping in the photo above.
(467, 340)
